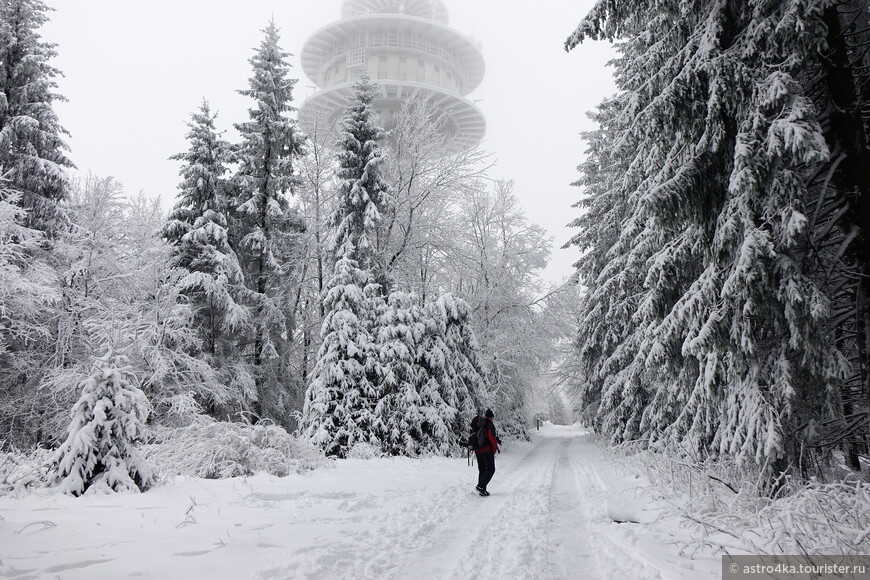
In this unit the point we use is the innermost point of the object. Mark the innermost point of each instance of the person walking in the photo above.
(486, 453)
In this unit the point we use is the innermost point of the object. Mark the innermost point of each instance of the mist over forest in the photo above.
(351, 289)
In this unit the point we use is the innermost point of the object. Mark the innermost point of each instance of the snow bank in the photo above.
(549, 516)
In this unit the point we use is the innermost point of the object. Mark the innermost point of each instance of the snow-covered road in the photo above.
(550, 515)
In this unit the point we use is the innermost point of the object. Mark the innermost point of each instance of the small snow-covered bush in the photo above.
(100, 454)
(364, 450)
(20, 472)
(215, 450)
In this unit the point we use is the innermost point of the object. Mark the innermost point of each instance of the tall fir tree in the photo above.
(396, 334)
(266, 226)
(420, 392)
(32, 151)
(33, 176)
(613, 275)
(469, 393)
(211, 278)
(363, 192)
(197, 229)
(29, 298)
(727, 348)
(340, 401)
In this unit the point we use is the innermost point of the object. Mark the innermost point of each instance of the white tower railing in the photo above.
(409, 49)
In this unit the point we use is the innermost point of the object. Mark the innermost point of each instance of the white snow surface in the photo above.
(551, 515)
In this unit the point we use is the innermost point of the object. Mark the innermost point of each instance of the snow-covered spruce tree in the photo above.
(32, 158)
(363, 192)
(340, 401)
(27, 287)
(265, 229)
(412, 378)
(341, 397)
(99, 454)
(468, 394)
(396, 334)
(211, 278)
(437, 373)
(32, 176)
(730, 331)
(617, 244)
(28, 298)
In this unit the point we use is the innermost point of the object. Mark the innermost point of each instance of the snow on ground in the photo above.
(551, 515)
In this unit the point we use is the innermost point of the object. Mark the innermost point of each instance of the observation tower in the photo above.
(409, 50)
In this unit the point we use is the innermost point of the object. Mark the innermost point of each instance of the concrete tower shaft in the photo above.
(409, 50)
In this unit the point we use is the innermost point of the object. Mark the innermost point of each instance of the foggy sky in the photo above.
(134, 71)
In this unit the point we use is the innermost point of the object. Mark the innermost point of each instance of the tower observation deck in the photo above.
(409, 50)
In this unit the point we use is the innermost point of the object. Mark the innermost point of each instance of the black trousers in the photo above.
(486, 467)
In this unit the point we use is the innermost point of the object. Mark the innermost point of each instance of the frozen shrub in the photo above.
(727, 508)
(214, 450)
(363, 450)
(20, 471)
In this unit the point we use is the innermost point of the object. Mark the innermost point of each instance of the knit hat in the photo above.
(488, 413)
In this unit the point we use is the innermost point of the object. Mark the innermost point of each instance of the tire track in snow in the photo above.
(547, 518)
(571, 545)
(501, 536)
(585, 537)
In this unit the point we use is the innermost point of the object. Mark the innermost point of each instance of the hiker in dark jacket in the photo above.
(486, 454)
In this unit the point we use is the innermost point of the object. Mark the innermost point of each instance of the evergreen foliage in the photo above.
(28, 298)
(32, 150)
(395, 374)
(27, 286)
(400, 408)
(265, 229)
(468, 393)
(363, 192)
(33, 179)
(100, 453)
(706, 325)
(429, 390)
(197, 229)
(341, 398)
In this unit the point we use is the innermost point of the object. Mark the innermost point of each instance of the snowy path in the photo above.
(390, 518)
